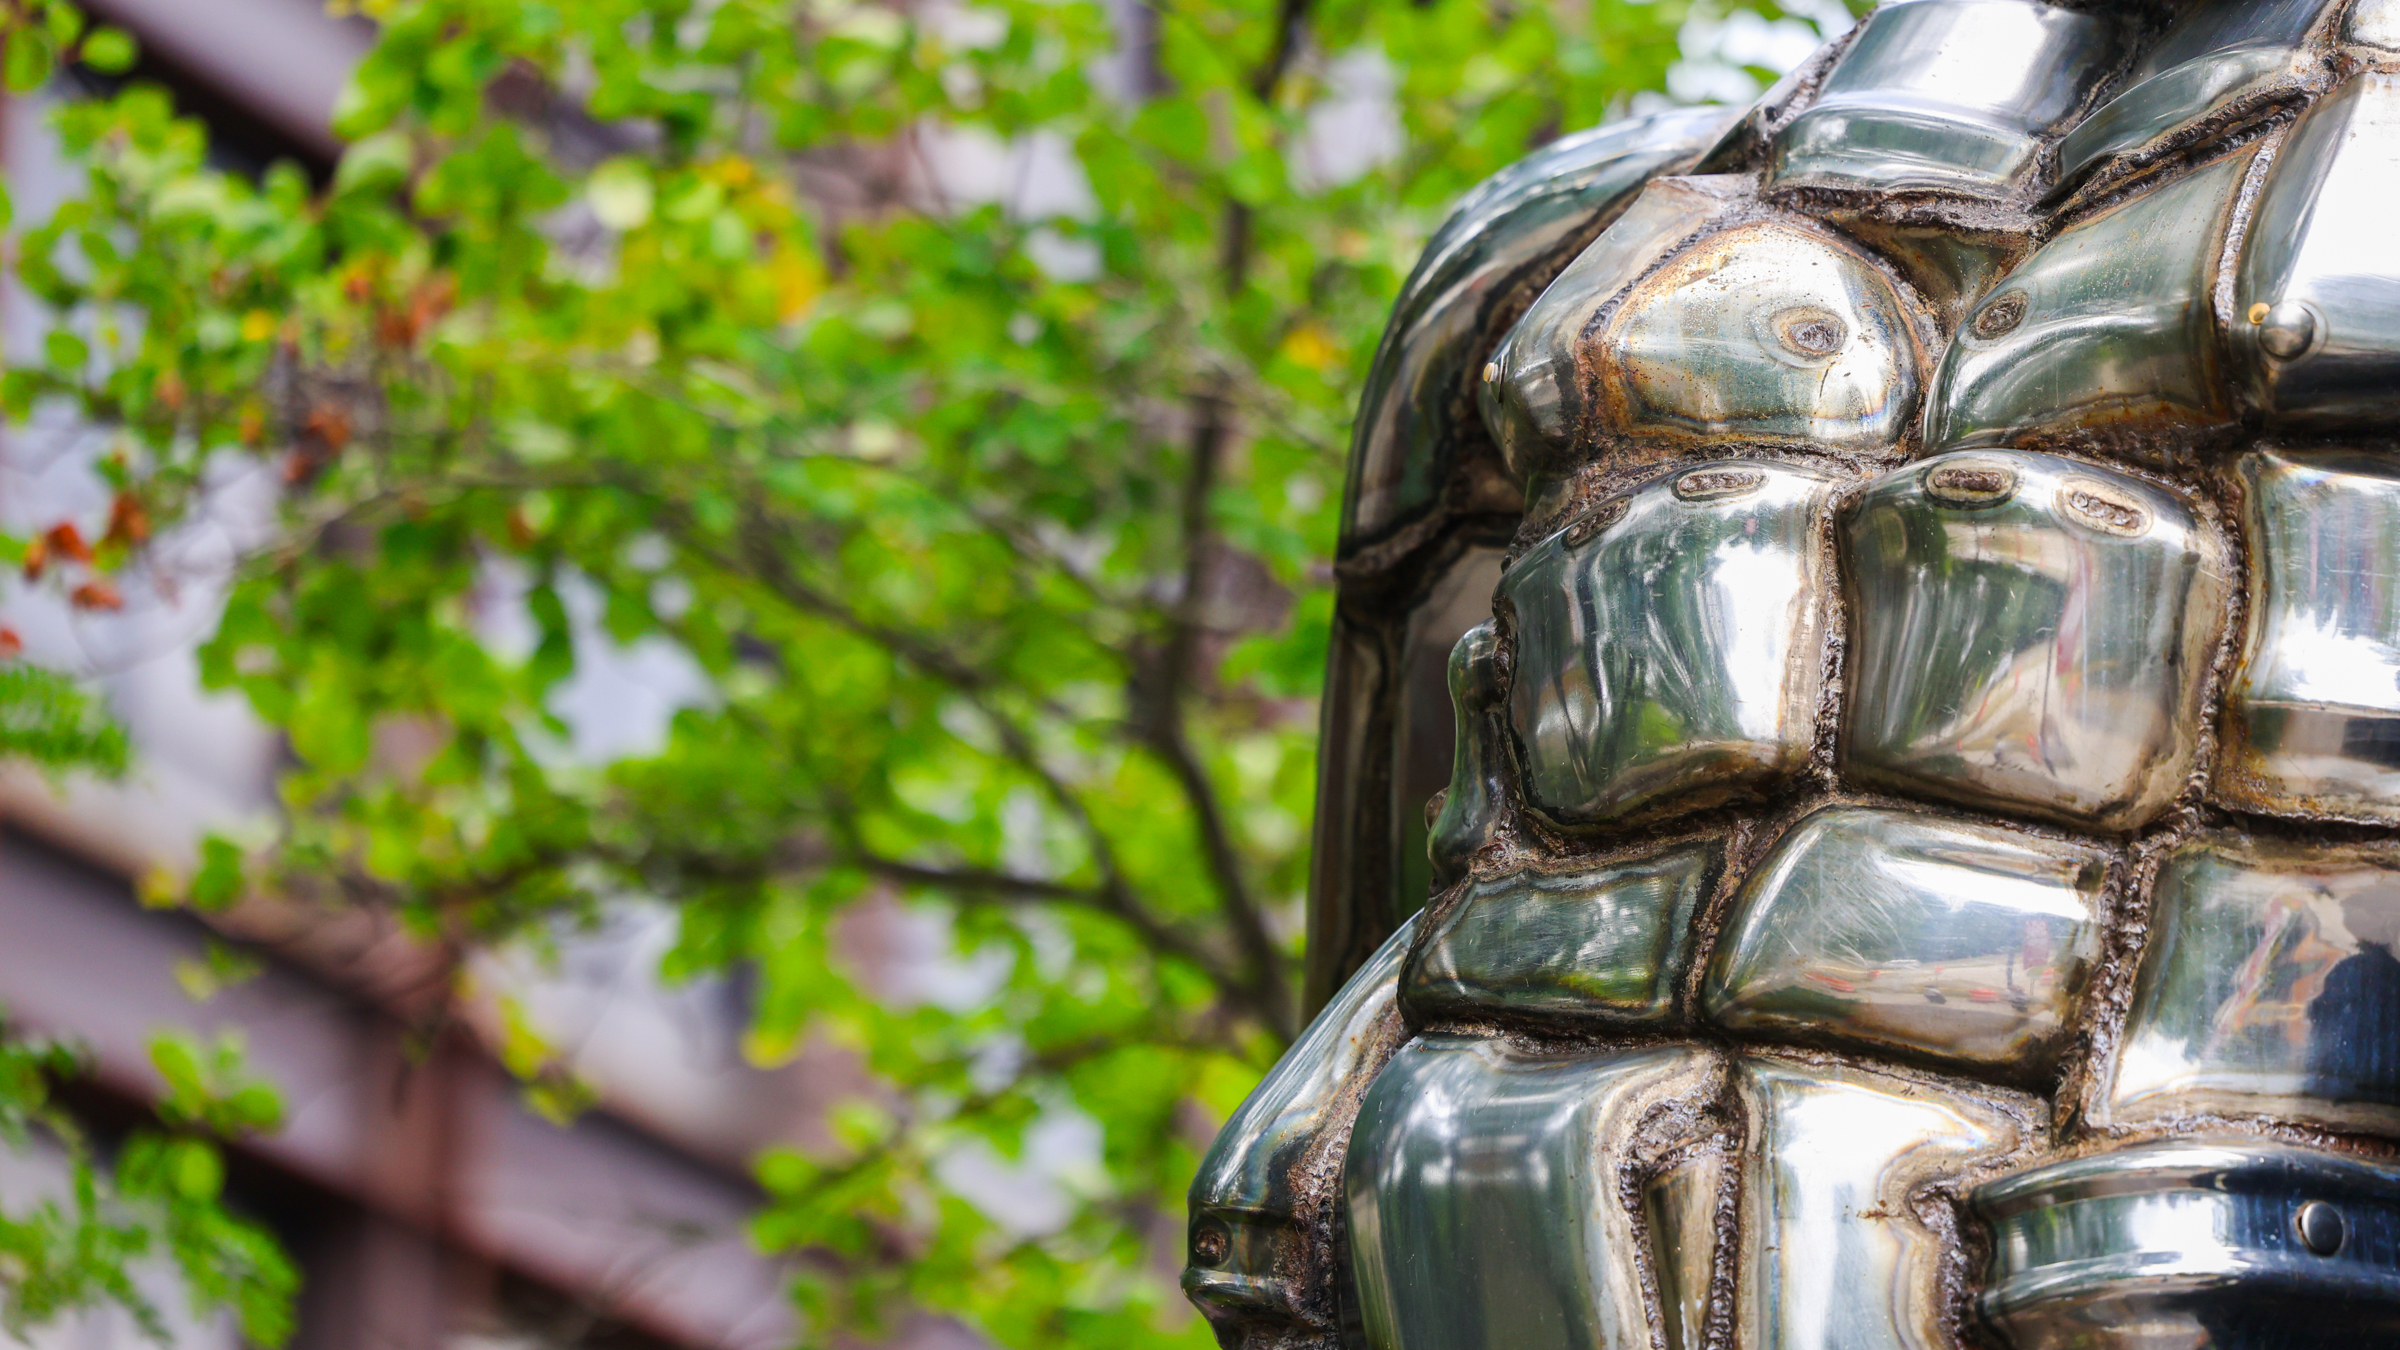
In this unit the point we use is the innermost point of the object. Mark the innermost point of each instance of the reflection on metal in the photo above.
(1533, 396)
(1767, 332)
(2318, 285)
(2374, 24)
(2030, 856)
(1472, 805)
(2269, 987)
(1667, 645)
(1947, 95)
(1501, 241)
(1486, 1195)
(2231, 1244)
(1680, 1208)
(1835, 1251)
(2041, 651)
(2221, 62)
(1259, 1206)
(2106, 334)
(2312, 722)
(1892, 930)
(1602, 945)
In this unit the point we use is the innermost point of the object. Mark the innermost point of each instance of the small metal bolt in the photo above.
(2320, 1227)
(1208, 1246)
(2287, 331)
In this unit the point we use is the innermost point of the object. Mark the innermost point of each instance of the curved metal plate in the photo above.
(1606, 945)
(2235, 1245)
(2269, 988)
(1249, 1243)
(1896, 931)
(2219, 61)
(2030, 633)
(1947, 95)
(2318, 285)
(1667, 644)
(1508, 235)
(2108, 333)
(1486, 1207)
(2312, 721)
(1834, 1254)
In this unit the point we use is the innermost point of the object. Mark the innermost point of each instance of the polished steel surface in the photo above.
(1680, 1205)
(2220, 61)
(1502, 240)
(1600, 945)
(2227, 1243)
(1534, 398)
(2107, 333)
(1472, 804)
(1836, 1254)
(2312, 721)
(1938, 733)
(1965, 944)
(1486, 1195)
(1668, 643)
(1251, 1248)
(2318, 261)
(2031, 634)
(1761, 333)
(1948, 95)
(2269, 987)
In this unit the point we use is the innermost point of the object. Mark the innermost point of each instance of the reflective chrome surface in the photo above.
(2231, 1244)
(1505, 237)
(1947, 95)
(1603, 945)
(1534, 401)
(1835, 1254)
(2107, 333)
(1260, 1196)
(1680, 1207)
(1477, 794)
(1770, 332)
(2030, 633)
(2269, 987)
(1892, 930)
(2312, 721)
(1486, 1203)
(2221, 61)
(1667, 644)
(2318, 258)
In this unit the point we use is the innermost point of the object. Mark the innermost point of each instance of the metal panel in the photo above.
(1602, 945)
(2230, 1244)
(1485, 1202)
(1667, 643)
(2030, 633)
(1893, 930)
(2312, 721)
(1947, 95)
(2269, 988)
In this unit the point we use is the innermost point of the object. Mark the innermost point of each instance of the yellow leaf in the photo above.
(257, 326)
(798, 278)
(1307, 345)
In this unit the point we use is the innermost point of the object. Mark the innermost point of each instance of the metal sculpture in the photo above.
(1902, 583)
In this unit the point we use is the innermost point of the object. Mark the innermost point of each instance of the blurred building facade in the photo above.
(429, 1207)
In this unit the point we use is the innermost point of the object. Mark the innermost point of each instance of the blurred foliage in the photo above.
(996, 535)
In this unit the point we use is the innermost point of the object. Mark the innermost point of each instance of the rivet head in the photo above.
(1209, 1246)
(2321, 1227)
(1491, 372)
(2287, 331)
